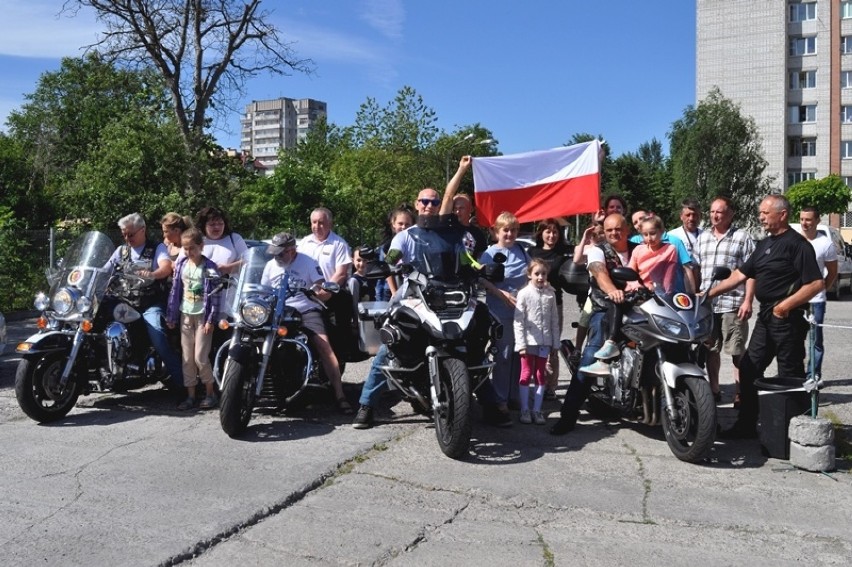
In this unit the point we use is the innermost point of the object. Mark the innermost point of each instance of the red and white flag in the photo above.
(538, 185)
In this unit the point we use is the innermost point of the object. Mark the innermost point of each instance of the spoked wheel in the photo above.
(38, 391)
(452, 416)
(692, 431)
(238, 397)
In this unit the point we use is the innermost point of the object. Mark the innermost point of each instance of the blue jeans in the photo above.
(154, 316)
(581, 384)
(818, 309)
(376, 383)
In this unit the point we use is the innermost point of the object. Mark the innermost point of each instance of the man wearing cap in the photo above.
(304, 271)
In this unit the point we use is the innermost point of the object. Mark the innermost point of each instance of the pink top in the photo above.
(656, 266)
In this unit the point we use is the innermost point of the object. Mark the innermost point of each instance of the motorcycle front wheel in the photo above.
(37, 388)
(452, 416)
(238, 396)
(692, 431)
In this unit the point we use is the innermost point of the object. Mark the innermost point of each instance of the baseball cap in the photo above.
(280, 241)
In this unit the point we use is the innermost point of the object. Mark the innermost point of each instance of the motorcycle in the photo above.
(661, 340)
(91, 338)
(438, 338)
(268, 345)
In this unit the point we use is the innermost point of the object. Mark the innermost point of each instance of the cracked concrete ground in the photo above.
(128, 480)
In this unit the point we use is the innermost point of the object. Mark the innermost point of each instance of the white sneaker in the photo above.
(538, 417)
(526, 417)
(597, 368)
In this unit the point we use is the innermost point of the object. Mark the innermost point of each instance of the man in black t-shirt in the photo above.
(786, 276)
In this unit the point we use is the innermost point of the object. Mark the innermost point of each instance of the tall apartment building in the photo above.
(788, 64)
(268, 125)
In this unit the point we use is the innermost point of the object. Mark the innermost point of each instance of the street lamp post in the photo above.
(449, 153)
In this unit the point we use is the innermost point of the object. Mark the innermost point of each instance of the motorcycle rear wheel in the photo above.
(452, 417)
(36, 383)
(692, 434)
(238, 397)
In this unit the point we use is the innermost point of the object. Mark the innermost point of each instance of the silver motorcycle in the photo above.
(661, 338)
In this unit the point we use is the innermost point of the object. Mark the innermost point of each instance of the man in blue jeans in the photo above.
(153, 260)
(405, 247)
(826, 256)
(601, 259)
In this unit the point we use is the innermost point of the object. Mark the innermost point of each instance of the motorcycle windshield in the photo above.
(248, 281)
(82, 276)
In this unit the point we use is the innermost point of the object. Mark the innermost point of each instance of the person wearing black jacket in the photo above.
(784, 268)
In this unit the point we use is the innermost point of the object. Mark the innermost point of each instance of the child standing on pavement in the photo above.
(193, 302)
(537, 333)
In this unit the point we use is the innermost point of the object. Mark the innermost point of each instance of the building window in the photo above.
(802, 79)
(794, 177)
(801, 147)
(846, 10)
(802, 45)
(846, 114)
(802, 114)
(846, 44)
(846, 149)
(846, 79)
(802, 12)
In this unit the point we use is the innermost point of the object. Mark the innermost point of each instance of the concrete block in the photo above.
(811, 432)
(815, 459)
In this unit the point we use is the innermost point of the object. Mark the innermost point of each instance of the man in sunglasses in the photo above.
(415, 245)
(149, 259)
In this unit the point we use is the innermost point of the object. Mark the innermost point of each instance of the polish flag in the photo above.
(538, 185)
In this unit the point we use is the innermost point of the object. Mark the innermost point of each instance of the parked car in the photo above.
(844, 259)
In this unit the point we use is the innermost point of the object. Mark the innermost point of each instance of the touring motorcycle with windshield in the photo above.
(661, 340)
(92, 337)
(269, 351)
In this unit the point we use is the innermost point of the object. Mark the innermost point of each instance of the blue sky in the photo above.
(533, 72)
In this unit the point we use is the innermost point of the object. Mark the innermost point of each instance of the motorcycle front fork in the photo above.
(434, 376)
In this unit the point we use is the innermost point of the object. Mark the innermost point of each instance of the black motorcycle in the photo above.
(268, 346)
(92, 337)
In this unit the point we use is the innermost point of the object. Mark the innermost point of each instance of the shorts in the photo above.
(585, 313)
(312, 321)
(730, 333)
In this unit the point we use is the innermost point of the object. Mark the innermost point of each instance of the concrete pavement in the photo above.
(129, 480)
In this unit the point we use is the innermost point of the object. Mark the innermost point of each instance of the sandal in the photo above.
(343, 406)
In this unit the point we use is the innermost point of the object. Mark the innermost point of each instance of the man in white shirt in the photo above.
(826, 255)
(334, 257)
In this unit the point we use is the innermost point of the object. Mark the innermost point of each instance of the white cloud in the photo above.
(35, 28)
(386, 16)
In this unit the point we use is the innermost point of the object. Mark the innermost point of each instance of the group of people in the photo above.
(787, 273)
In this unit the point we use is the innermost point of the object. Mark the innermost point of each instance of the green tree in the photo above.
(643, 179)
(715, 150)
(132, 170)
(204, 51)
(61, 121)
(828, 195)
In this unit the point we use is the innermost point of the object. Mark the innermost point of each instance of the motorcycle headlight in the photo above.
(64, 301)
(84, 304)
(254, 313)
(671, 327)
(41, 301)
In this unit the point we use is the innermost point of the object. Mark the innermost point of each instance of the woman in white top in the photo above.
(221, 244)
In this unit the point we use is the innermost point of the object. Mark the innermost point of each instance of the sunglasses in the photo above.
(427, 202)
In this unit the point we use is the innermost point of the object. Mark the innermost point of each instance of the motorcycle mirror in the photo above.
(500, 258)
(623, 274)
(721, 273)
(377, 270)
